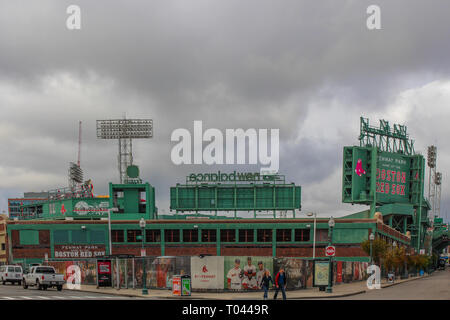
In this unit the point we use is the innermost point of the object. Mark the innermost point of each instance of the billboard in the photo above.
(207, 272)
(244, 272)
(241, 197)
(394, 175)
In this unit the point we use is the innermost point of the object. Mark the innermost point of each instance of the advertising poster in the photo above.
(104, 271)
(207, 272)
(162, 271)
(348, 271)
(339, 272)
(309, 273)
(296, 271)
(244, 272)
(321, 271)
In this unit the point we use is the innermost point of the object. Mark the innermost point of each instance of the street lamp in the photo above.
(371, 238)
(109, 227)
(144, 276)
(310, 214)
(330, 265)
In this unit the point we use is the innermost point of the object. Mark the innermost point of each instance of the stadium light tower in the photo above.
(125, 130)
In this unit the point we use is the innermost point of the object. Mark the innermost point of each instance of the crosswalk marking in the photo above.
(58, 297)
(76, 297)
(42, 297)
(27, 298)
(8, 298)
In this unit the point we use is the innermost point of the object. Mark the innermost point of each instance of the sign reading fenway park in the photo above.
(79, 251)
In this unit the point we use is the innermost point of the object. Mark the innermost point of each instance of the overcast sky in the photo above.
(307, 68)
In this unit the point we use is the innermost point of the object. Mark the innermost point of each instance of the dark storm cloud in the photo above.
(249, 64)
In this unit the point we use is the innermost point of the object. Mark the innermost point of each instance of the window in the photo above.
(29, 237)
(3, 246)
(132, 235)
(209, 235)
(245, 235)
(284, 235)
(301, 234)
(98, 236)
(190, 235)
(61, 236)
(79, 236)
(153, 235)
(172, 235)
(264, 235)
(117, 236)
(322, 235)
(228, 235)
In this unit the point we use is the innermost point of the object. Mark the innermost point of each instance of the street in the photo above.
(15, 292)
(436, 287)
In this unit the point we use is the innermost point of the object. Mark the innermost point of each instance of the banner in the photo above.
(245, 273)
(104, 270)
(207, 272)
(297, 271)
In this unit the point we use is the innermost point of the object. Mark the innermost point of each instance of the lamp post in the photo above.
(310, 214)
(144, 276)
(109, 228)
(330, 267)
(371, 238)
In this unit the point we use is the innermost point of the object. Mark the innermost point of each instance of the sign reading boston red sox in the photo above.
(79, 251)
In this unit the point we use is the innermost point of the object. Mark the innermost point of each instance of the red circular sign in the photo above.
(330, 251)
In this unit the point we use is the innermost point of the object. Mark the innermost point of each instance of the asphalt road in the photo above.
(16, 292)
(435, 287)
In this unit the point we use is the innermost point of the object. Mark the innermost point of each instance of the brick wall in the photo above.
(31, 251)
(190, 250)
(247, 250)
(341, 251)
(136, 250)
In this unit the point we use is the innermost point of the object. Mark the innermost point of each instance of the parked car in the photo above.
(43, 277)
(12, 274)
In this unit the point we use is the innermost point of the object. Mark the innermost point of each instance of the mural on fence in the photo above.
(299, 272)
(237, 272)
(207, 272)
(244, 272)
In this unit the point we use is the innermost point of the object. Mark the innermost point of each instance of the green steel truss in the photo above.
(385, 139)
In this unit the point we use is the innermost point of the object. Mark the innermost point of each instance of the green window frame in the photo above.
(29, 237)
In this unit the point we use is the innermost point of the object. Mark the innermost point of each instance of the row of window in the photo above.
(210, 235)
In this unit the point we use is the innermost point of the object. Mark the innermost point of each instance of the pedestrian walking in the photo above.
(265, 282)
(280, 283)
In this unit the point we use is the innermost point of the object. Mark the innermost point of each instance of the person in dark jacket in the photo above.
(265, 282)
(280, 283)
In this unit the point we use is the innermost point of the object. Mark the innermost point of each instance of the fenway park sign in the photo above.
(79, 251)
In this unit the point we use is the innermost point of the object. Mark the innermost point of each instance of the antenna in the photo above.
(79, 144)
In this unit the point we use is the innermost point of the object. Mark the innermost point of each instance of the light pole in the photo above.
(310, 214)
(371, 238)
(330, 266)
(109, 228)
(144, 276)
(394, 246)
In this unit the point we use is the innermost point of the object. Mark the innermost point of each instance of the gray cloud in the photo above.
(308, 68)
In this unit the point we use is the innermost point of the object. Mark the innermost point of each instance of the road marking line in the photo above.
(8, 298)
(28, 298)
(76, 297)
(42, 297)
(58, 297)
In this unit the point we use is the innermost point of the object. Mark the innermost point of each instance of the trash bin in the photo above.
(186, 285)
(391, 277)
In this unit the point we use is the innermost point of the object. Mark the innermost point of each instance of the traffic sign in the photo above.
(330, 251)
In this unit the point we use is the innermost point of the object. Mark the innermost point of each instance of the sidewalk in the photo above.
(340, 290)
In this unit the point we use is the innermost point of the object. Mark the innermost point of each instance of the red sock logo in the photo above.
(359, 170)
